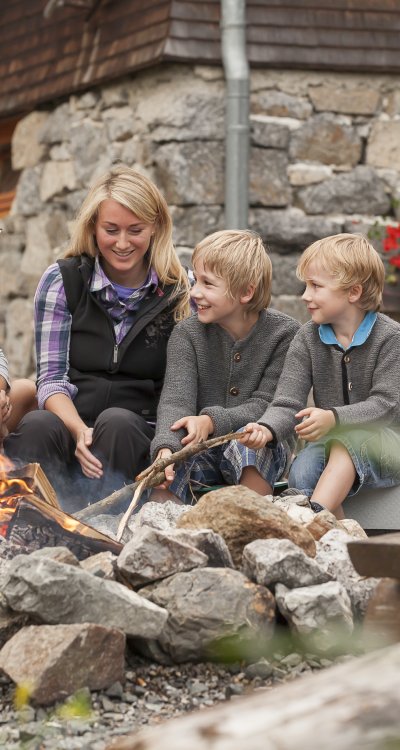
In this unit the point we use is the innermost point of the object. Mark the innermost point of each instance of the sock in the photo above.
(316, 507)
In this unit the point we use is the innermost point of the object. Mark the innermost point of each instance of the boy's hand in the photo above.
(256, 436)
(315, 423)
(198, 428)
(168, 471)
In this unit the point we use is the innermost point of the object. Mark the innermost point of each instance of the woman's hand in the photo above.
(198, 428)
(169, 470)
(315, 423)
(91, 466)
(255, 436)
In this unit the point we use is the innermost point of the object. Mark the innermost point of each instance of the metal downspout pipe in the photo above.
(234, 58)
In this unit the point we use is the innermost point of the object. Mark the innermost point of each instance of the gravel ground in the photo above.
(151, 695)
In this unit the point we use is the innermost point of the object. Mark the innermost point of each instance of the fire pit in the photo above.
(31, 518)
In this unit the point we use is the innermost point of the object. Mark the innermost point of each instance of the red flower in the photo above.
(395, 261)
(391, 241)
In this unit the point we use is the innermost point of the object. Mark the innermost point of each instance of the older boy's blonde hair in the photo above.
(351, 259)
(240, 258)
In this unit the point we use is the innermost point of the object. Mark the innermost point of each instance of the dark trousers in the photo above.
(121, 440)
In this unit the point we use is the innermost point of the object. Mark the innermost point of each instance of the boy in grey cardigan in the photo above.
(223, 365)
(349, 354)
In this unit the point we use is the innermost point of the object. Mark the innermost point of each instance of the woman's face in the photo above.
(122, 240)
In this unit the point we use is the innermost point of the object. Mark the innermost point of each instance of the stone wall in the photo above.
(325, 158)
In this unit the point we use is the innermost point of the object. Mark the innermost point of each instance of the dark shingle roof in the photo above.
(44, 59)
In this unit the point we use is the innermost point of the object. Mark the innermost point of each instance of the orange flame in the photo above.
(11, 489)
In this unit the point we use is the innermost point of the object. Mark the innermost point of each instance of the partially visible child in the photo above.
(223, 364)
(349, 354)
(16, 399)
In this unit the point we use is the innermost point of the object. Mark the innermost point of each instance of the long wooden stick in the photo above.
(150, 476)
(154, 474)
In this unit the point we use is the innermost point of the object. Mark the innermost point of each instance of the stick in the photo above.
(156, 472)
(150, 477)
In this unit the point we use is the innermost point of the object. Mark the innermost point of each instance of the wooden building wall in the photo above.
(43, 59)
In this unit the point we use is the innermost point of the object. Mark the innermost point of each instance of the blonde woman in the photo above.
(103, 317)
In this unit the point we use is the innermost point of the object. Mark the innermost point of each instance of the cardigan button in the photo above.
(234, 391)
(237, 356)
(350, 386)
(347, 359)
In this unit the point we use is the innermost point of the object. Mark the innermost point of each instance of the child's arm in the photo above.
(382, 404)
(179, 394)
(294, 385)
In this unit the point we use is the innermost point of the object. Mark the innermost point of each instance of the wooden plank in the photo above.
(378, 556)
(321, 18)
(6, 200)
(46, 59)
(351, 706)
(325, 59)
(340, 39)
(384, 6)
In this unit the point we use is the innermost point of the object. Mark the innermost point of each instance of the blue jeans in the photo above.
(375, 455)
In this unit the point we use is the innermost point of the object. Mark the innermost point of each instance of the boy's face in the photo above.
(325, 302)
(210, 294)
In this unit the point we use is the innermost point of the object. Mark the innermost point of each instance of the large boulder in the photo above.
(204, 606)
(55, 660)
(55, 593)
(152, 554)
(271, 561)
(241, 516)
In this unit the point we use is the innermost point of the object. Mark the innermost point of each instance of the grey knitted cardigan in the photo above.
(210, 373)
(360, 385)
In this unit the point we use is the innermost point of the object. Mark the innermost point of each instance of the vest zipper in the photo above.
(115, 358)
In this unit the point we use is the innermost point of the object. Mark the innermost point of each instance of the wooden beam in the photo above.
(349, 706)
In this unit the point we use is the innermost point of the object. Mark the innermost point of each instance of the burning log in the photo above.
(30, 515)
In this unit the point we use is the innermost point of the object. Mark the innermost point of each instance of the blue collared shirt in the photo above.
(327, 334)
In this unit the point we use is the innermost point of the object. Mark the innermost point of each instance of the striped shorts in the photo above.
(224, 464)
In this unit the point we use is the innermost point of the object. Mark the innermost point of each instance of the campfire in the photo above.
(31, 517)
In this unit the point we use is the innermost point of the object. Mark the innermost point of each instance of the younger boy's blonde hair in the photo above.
(351, 259)
(240, 258)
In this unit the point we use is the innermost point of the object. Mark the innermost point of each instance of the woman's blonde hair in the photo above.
(240, 258)
(138, 194)
(351, 260)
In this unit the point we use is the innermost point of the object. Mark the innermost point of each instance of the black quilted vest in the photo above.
(129, 375)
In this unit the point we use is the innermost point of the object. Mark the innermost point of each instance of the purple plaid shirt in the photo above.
(53, 324)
